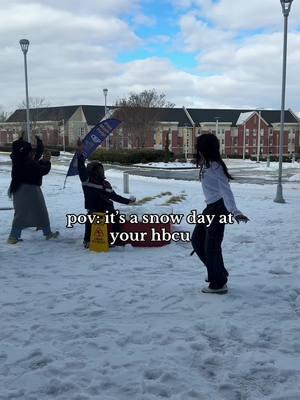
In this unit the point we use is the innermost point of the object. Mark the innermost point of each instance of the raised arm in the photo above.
(83, 175)
(45, 163)
(39, 149)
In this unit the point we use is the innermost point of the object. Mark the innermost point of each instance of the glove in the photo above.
(47, 155)
(132, 199)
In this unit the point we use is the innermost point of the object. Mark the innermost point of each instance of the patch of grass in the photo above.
(175, 199)
(145, 200)
(164, 194)
(150, 198)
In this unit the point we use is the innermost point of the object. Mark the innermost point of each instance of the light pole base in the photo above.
(279, 198)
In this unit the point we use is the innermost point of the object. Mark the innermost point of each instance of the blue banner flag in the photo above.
(93, 139)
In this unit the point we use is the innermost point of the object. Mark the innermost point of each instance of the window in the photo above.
(270, 141)
(247, 132)
(254, 142)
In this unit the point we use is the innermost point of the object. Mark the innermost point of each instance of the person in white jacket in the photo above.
(207, 240)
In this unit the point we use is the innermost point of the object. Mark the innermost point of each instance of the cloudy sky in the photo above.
(200, 53)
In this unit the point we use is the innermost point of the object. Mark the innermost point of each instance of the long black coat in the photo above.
(98, 196)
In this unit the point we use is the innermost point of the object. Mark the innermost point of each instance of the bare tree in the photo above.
(35, 103)
(139, 114)
(3, 115)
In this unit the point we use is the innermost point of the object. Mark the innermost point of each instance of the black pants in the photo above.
(88, 226)
(207, 241)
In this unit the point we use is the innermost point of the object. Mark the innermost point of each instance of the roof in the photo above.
(43, 114)
(174, 115)
(94, 113)
(244, 117)
(232, 115)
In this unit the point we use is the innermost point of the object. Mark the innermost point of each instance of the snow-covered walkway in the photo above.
(132, 324)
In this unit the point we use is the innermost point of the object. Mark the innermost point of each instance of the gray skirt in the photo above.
(30, 207)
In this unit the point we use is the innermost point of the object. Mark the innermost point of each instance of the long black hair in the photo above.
(208, 150)
(21, 151)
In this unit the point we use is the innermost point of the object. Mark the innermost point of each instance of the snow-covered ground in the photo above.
(230, 162)
(132, 324)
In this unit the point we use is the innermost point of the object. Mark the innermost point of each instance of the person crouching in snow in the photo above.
(207, 241)
(98, 193)
(27, 173)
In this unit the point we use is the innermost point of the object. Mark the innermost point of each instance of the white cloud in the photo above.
(141, 19)
(250, 15)
(74, 53)
(47, 25)
(243, 14)
(197, 35)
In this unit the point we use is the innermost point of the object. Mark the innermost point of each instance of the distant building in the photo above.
(236, 129)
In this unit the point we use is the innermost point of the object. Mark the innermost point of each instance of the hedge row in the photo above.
(272, 158)
(8, 149)
(130, 156)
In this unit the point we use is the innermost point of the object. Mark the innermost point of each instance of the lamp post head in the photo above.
(24, 43)
(105, 92)
(286, 6)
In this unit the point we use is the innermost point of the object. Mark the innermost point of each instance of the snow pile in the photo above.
(132, 324)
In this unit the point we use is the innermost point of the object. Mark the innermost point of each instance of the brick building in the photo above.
(236, 129)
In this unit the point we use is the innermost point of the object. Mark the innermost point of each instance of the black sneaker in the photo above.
(86, 244)
(221, 290)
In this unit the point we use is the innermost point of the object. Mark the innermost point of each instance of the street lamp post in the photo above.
(258, 137)
(244, 140)
(24, 43)
(286, 6)
(105, 111)
(105, 100)
(217, 133)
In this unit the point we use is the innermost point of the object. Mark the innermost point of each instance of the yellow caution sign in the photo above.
(99, 234)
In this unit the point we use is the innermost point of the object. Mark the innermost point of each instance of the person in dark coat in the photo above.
(98, 192)
(25, 189)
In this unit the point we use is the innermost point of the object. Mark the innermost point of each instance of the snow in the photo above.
(133, 323)
(244, 117)
(295, 177)
(169, 165)
(231, 163)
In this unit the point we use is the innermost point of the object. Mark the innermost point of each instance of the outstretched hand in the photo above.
(47, 155)
(241, 218)
(132, 199)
